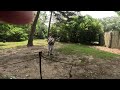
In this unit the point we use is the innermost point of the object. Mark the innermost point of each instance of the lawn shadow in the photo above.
(2, 45)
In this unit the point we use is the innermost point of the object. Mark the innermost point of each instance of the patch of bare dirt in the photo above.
(58, 66)
(116, 51)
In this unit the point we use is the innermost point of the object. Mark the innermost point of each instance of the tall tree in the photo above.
(110, 23)
(49, 23)
(33, 27)
(62, 16)
(41, 27)
(118, 12)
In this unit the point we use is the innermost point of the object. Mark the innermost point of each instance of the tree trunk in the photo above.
(101, 39)
(49, 24)
(33, 27)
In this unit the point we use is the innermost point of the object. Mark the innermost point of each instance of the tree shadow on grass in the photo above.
(2, 45)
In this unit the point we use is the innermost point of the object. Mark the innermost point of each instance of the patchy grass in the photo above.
(6, 45)
(76, 49)
(79, 49)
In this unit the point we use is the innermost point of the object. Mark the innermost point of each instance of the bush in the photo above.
(16, 34)
(82, 29)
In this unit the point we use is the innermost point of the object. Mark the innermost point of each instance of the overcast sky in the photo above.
(94, 14)
(99, 14)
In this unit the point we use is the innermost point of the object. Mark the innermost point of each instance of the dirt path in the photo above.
(57, 67)
(116, 51)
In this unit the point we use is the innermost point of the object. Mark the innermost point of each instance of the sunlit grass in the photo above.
(40, 42)
(76, 49)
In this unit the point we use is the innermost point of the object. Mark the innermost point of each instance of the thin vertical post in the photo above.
(40, 55)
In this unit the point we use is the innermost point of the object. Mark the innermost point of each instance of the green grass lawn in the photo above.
(23, 43)
(68, 49)
(78, 49)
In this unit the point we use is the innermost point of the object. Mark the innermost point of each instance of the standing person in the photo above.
(51, 42)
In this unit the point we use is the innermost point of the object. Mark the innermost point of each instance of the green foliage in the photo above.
(41, 28)
(13, 32)
(79, 29)
(62, 15)
(16, 34)
(55, 31)
(111, 23)
(4, 28)
(10, 32)
(118, 12)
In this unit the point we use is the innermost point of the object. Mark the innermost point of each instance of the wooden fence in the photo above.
(112, 39)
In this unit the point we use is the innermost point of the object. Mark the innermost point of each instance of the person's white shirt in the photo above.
(50, 46)
(50, 39)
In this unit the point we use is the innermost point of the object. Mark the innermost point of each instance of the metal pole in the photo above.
(40, 54)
